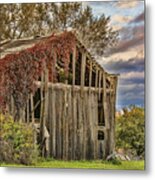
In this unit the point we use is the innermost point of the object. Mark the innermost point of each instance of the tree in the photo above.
(24, 20)
(130, 130)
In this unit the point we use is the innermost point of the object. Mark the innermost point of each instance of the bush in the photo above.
(130, 132)
(17, 142)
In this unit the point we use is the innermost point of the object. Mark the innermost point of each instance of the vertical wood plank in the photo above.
(96, 79)
(83, 69)
(73, 66)
(50, 122)
(69, 126)
(105, 109)
(74, 119)
(99, 86)
(75, 126)
(112, 103)
(41, 95)
(53, 124)
(115, 89)
(66, 124)
(90, 75)
(60, 124)
(32, 108)
(63, 126)
(44, 114)
(27, 111)
(95, 124)
(106, 116)
(73, 105)
(84, 109)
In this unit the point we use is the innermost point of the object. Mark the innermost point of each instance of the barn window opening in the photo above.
(100, 135)
(93, 78)
(70, 73)
(37, 104)
(78, 69)
(101, 119)
(87, 73)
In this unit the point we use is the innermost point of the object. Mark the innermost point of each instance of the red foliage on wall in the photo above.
(19, 71)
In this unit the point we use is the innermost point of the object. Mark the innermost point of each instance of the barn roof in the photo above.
(17, 45)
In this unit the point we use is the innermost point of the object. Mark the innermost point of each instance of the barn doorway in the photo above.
(100, 144)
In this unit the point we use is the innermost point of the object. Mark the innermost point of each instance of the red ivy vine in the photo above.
(19, 71)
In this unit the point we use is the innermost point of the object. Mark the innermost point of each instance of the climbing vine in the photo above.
(19, 71)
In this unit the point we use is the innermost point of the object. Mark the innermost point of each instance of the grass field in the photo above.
(125, 165)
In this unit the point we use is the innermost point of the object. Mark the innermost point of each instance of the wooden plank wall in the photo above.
(72, 120)
(72, 123)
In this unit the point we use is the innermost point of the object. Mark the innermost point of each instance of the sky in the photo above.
(127, 58)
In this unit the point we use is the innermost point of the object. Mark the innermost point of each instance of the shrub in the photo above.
(130, 132)
(17, 142)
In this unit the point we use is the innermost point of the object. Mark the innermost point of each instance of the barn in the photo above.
(73, 102)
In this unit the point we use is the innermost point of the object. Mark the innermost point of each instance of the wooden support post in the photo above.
(99, 86)
(46, 97)
(83, 69)
(112, 102)
(44, 113)
(73, 66)
(96, 79)
(73, 103)
(66, 123)
(105, 101)
(90, 75)
(115, 89)
(54, 66)
(106, 116)
(74, 116)
(53, 123)
(27, 112)
(32, 108)
(41, 95)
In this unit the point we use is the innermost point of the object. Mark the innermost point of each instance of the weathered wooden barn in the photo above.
(79, 111)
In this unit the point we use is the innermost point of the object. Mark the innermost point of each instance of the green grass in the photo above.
(125, 165)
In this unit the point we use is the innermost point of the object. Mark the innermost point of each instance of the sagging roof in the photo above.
(17, 45)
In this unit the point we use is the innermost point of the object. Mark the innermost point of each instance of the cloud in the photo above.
(121, 19)
(139, 18)
(133, 53)
(129, 32)
(130, 38)
(125, 45)
(122, 66)
(132, 80)
(116, 27)
(129, 92)
(129, 87)
(127, 4)
(131, 75)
